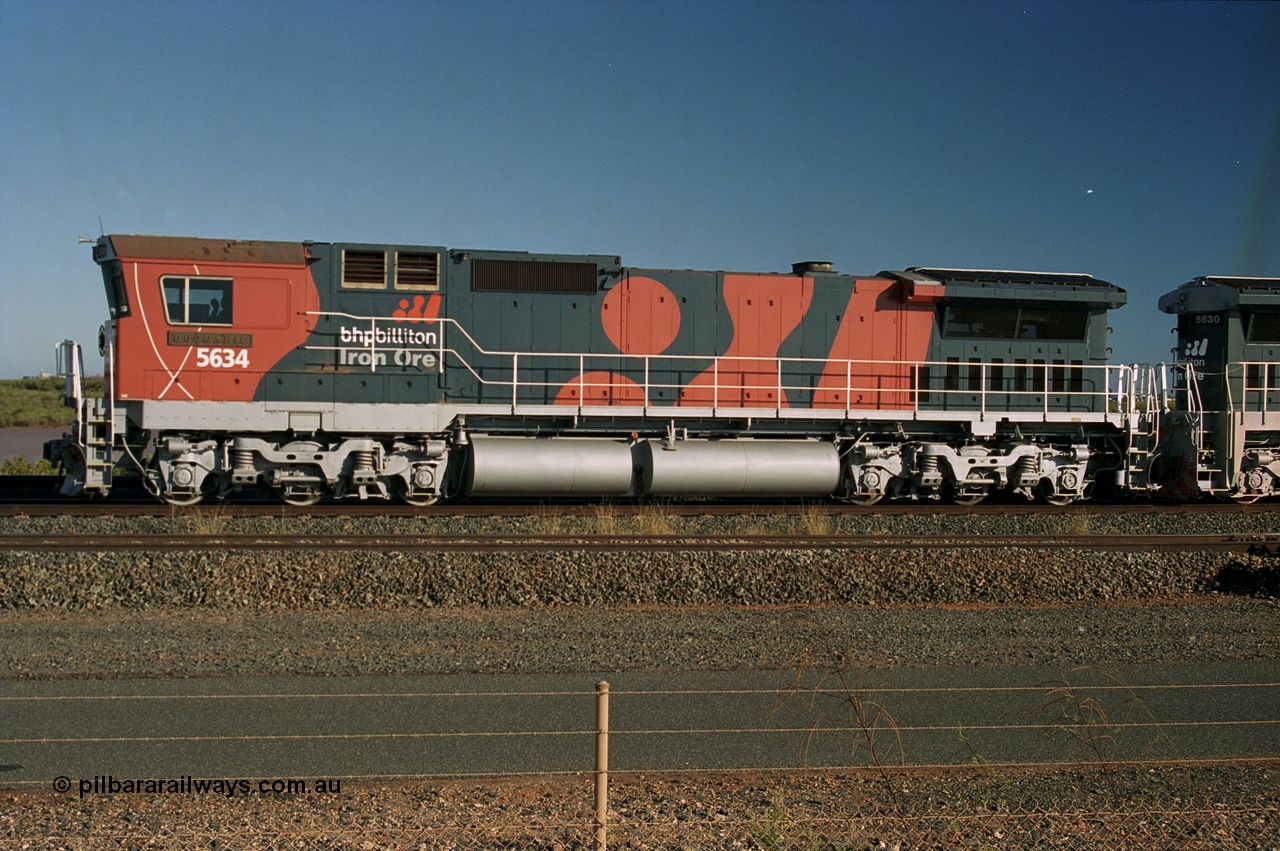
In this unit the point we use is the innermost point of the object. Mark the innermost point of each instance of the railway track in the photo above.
(13, 503)
(1268, 545)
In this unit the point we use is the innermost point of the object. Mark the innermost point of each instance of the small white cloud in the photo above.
(1088, 192)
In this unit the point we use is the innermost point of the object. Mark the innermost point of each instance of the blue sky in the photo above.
(1138, 142)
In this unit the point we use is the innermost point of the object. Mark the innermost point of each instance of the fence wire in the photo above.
(1094, 800)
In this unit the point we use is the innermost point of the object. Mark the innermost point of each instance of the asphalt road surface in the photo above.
(381, 727)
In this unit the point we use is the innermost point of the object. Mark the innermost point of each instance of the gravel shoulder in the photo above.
(179, 643)
(314, 579)
(1119, 807)
(229, 613)
(221, 614)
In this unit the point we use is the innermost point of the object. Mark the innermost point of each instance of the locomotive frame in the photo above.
(421, 373)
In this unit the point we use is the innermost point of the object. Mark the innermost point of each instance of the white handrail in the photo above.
(1116, 383)
(1260, 377)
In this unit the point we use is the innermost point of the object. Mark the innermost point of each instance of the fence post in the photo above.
(602, 766)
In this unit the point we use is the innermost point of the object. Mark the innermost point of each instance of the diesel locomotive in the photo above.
(1224, 436)
(421, 373)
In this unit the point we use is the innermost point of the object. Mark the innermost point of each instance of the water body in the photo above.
(27, 442)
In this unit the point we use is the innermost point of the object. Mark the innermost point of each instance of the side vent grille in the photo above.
(364, 269)
(533, 276)
(417, 271)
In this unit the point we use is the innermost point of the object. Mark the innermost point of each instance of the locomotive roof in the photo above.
(1216, 293)
(1017, 285)
(1236, 282)
(1008, 276)
(197, 248)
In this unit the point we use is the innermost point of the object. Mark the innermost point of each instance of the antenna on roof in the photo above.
(101, 231)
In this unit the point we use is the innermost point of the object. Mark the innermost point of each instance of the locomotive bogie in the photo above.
(186, 469)
(968, 473)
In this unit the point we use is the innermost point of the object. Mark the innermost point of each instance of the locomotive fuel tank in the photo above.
(520, 466)
(739, 468)
(584, 466)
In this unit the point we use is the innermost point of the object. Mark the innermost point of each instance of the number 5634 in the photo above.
(222, 358)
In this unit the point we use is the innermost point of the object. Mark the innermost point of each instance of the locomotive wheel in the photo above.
(864, 499)
(1046, 494)
(180, 501)
(1246, 498)
(416, 500)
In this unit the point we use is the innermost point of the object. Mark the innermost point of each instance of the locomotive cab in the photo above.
(1020, 341)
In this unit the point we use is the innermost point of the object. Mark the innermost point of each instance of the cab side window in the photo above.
(197, 301)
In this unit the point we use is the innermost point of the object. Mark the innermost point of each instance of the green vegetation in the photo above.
(19, 466)
(38, 401)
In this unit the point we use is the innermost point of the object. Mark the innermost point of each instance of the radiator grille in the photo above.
(533, 276)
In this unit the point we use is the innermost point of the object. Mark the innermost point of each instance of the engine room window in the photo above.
(417, 270)
(990, 322)
(197, 301)
(1052, 324)
(364, 270)
(1009, 323)
(1264, 327)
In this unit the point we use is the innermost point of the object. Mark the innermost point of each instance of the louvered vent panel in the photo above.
(417, 271)
(533, 276)
(366, 269)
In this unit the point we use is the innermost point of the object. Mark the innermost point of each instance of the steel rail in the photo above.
(1244, 543)
(149, 507)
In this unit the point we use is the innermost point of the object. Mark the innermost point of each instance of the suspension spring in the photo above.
(362, 460)
(242, 459)
(243, 471)
(1025, 470)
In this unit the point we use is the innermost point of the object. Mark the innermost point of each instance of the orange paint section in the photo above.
(640, 316)
(881, 336)
(601, 388)
(156, 359)
(764, 310)
(879, 339)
